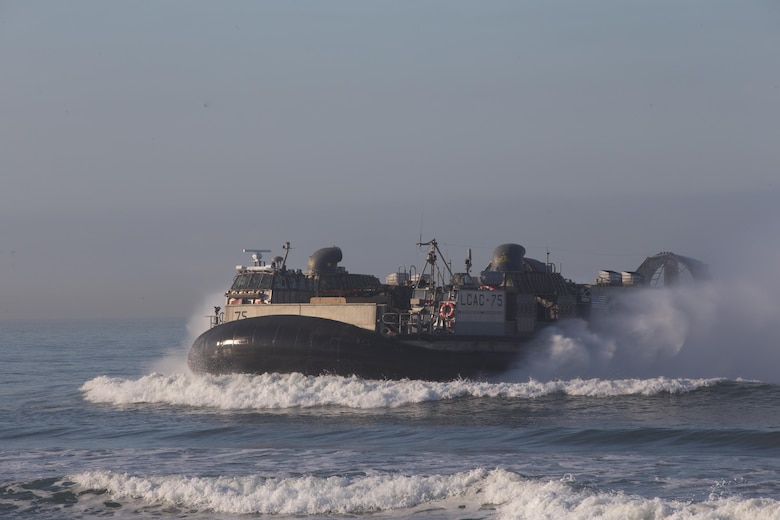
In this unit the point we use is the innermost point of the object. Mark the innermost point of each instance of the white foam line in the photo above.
(275, 391)
(305, 495)
(507, 494)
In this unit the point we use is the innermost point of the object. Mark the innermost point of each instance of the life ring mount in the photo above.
(447, 310)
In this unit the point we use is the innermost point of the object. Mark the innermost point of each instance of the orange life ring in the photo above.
(447, 310)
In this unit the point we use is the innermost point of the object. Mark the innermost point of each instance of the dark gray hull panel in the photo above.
(316, 346)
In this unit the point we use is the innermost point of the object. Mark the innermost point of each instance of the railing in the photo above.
(216, 319)
(407, 323)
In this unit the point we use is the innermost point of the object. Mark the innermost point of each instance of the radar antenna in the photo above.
(257, 254)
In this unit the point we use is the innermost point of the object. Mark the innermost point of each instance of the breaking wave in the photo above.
(275, 391)
(494, 493)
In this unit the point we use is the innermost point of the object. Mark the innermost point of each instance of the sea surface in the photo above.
(101, 419)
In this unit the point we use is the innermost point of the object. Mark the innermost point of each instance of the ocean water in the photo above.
(101, 419)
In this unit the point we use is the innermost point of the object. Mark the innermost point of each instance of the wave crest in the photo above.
(278, 391)
(497, 494)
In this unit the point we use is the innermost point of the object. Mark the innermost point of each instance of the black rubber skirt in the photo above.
(317, 346)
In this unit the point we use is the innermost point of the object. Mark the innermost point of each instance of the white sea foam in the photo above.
(274, 391)
(496, 494)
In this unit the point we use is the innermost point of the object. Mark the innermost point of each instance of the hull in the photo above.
(315, 346)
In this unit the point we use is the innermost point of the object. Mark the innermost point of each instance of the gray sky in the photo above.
(144, 144)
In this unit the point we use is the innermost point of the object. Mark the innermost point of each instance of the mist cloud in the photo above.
(722, 328)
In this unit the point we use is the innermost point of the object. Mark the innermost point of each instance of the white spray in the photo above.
(175, 360)
(729, 327)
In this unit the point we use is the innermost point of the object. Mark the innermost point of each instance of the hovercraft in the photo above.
(329, 321)
(433, 325)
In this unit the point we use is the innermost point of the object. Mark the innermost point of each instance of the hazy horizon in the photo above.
(143, 146)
